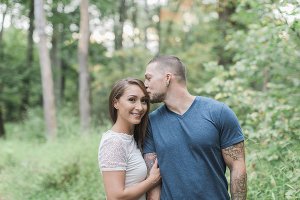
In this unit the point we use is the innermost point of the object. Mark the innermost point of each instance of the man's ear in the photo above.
(168, 78)
(116, 104)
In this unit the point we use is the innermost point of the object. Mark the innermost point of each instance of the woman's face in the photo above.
(132, 105)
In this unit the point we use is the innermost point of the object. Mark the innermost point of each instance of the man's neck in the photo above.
(179, 100)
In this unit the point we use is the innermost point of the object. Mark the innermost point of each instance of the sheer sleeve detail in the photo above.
(112, 154)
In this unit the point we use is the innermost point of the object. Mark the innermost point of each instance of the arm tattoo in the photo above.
(150, 160)
(236, 151)
(240, 185)
(149, 196)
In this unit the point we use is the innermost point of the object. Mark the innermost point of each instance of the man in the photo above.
(193, 138)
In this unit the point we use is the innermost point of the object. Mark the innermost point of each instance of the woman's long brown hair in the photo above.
(117, 91)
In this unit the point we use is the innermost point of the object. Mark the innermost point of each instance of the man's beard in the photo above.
(157, 98)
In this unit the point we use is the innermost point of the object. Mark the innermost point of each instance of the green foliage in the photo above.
(267, 56)
(259, 80)
(66, 168)
(13, 70)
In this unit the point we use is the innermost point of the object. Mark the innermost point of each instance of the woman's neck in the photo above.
(121, 127)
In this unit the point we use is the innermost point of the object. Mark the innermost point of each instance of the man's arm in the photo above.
(154, 193)
(234, 157)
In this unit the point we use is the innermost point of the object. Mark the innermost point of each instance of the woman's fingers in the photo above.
(156, 163)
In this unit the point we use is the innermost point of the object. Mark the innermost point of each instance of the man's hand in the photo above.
(234, 157)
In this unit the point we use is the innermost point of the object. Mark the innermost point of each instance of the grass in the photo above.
(67, 168)
(273, 170)
(61, 169)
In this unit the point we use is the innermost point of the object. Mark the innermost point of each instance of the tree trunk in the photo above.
(122, 20)
(147, 23)
(225, 10)
(56, 60)
(134, 14)
(134, 19)
(1, 33)
(64, 67)
(29, 61)
(2, 130)
(158, 28)
(83, 46)
(116, 29)
(47, 82)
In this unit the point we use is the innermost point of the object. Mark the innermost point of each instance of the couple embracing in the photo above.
(180, 150)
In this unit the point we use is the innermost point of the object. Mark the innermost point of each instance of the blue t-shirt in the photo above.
(189, 148)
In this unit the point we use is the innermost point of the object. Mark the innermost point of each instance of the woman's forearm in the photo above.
(133, 192)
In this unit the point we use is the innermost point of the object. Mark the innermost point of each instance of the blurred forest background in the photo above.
(60, 58)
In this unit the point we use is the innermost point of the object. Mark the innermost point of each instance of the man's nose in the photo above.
(146, 84)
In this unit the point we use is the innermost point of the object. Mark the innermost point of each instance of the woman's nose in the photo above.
(138, 106)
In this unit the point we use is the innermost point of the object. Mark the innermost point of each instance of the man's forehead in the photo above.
(151, 68)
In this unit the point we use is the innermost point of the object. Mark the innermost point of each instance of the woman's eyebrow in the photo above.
(132, 95)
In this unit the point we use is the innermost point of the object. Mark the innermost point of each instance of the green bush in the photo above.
(66, 168)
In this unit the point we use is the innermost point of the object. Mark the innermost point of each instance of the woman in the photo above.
(120, 152)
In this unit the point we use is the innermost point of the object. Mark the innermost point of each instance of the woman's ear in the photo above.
(116, 104)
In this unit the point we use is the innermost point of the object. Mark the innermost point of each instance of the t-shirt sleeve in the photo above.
(149, 146)
(231, 132)
(112, 155)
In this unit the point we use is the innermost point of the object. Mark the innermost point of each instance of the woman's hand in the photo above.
(114, 184)
(154, 174)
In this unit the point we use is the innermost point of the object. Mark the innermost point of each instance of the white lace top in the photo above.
(119, 151)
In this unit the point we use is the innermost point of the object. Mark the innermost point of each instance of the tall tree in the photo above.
(2, 30)
(47, 82)
(122, 18)
(147, 23)
(55, 56)
(29, 61)
(225, 9)
(158, 27)
(134, 18)
(84, 80)
(116, 28)
(2, 130)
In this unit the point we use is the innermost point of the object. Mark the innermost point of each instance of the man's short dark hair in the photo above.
(172, 63)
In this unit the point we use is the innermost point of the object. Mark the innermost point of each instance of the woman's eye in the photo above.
(131, 99)
(144, 100)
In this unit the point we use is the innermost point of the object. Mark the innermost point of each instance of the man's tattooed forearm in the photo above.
(150, 160)
(236, 151)
(149, 195)
(238, 188)
(241, 184)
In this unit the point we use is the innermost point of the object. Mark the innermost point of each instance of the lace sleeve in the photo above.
(112, 155)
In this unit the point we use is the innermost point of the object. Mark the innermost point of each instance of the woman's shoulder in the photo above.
(113, 137)
(112, 154)
(112, 142)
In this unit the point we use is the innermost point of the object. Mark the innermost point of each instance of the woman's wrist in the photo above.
(153, 181)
